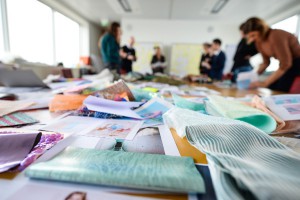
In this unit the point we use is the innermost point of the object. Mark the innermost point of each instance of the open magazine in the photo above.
(287, 107)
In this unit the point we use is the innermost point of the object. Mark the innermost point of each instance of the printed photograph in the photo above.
(293, 109)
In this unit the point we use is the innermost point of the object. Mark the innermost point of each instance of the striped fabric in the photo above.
(16, 119)
(244, 161)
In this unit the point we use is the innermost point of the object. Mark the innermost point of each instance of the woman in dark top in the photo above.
(158, 62)
(206, 58)
(242, 55)
(128, 56)
(279, 44)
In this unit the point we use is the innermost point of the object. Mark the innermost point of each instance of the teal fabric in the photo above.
(142, 95)
(219, 106)
(124, 169)
(240, 156)
(184, 103)
(110, 49)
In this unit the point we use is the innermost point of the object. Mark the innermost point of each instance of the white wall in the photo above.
(170, 32)
(178, 31)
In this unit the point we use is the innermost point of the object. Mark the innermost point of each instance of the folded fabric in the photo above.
(244, 161)
(14, 147)
(219, 106)
(184, 103)
(16, 119)
(124, 169)
(258, 103)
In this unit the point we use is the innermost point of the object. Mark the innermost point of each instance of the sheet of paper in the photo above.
(113, 107)
(72, 124)
(37, 191)
(287, 107)
(118, 129)
(7, 107)
(153, 110)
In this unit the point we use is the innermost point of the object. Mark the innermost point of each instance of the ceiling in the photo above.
(234, 11)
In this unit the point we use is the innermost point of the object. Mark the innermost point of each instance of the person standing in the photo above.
(206, 58)
(242, 55)
(218, 61)
(110, 46)
(279, 44)
(158, 62)
(128, 56)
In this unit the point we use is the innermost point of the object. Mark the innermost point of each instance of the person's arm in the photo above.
(264, 65)
(123, 54)
(285, 58)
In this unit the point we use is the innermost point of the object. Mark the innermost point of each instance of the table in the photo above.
(185, 149)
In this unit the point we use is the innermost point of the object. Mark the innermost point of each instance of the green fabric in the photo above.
(124, 169)
(184, 103)
(236, 110)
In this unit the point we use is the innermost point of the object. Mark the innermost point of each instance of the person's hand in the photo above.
(130, 57)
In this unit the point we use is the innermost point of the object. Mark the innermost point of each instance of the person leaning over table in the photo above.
(276, 43)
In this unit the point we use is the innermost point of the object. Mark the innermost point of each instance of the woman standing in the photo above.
(275, 43)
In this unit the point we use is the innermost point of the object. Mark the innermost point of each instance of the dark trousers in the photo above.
(285, 82)
(113, 66)
(158, 69)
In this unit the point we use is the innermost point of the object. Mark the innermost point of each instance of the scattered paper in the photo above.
(121, 108)
(118, 129)
(7, 107)
(66, 102)
(287, 107)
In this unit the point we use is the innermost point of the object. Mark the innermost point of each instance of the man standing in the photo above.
(218, 61)
(128, 56)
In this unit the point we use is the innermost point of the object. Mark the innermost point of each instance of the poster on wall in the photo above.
(185, 59)
(144, 52)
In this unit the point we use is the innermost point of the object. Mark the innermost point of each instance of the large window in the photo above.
(37, 33)
(66, 40)
(289, 24)
(30, 30)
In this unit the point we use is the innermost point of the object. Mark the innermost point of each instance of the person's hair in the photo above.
(217, 41)
(76, 192)
(256, 24)
(156, 47)
(241, 27)
(207, 45)
(113, 29)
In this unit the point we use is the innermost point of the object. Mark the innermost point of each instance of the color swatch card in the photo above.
(66, 102)
(121, 169)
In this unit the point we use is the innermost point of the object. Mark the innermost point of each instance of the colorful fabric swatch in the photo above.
(66, 102)
(16, 119)
(240, 156)
(123, 169)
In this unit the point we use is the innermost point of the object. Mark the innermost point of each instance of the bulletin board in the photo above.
(144, 52)
(185, 59)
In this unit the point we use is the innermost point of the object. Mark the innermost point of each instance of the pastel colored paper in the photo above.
(184, 103)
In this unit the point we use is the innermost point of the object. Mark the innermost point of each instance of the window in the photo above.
(1, 41)
(39, 34)
(289, 24)
(30, 30)
(66, 40)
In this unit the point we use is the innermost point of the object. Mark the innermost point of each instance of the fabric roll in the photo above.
(245, 162)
